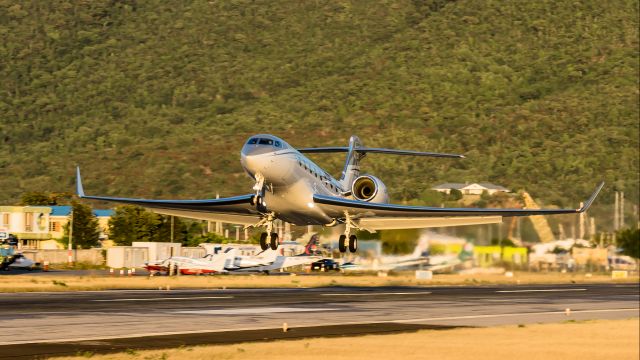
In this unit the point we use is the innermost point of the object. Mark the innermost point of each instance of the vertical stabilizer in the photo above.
(352, 165)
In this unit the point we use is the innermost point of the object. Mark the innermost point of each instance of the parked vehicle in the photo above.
(325, 265)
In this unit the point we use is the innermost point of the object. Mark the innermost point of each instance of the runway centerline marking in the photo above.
(166, 298)
(538, 290)
(252, 311)
(374, 294)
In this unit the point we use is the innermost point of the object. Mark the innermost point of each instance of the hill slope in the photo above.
(155, 99)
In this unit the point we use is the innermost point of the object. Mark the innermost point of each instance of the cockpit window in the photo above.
(265, 142)
(252, 141)
(277, 144)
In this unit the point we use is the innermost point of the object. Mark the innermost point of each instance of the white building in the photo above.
(30, 224)
(470, 188)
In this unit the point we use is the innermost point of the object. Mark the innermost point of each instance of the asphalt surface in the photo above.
(44, 324)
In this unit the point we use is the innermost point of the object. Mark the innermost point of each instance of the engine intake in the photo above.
(370, 188)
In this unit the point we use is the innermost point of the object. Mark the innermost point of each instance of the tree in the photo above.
(35, 198)
(86, 233)
(38, 198)
(629, 241)
(432, 197)
(132, 223)
(455, 195)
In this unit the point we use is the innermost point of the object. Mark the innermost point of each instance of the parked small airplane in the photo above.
(22, 262)
(188, 266)
(290, 187)
(228, 261)
(268, 260)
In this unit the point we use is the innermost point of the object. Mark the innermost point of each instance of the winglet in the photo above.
(587, 204)
(79, 188)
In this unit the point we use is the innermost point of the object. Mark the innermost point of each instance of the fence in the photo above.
(58, 256)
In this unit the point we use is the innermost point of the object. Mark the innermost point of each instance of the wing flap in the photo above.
(392, 223)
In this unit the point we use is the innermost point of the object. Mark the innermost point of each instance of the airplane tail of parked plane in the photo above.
(312, 245)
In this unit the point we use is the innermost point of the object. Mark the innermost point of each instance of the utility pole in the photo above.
(581, 223)
(615, 211)
(621, 216)
(70, 248)
(171, 228)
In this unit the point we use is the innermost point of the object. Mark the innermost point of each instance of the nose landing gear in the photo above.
(272, 241)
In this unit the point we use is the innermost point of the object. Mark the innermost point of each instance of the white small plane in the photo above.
(188, 266)
(266, 261)
(292, 188)
(228, 261)
(22, 262)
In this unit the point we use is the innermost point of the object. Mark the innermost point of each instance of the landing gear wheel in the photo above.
(353, 243)
(274, 241)
(341, 243)
(263, 241)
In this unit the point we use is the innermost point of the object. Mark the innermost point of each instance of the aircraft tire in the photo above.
(353, 243)
(274, 241)
(342, 246)
(263, 241)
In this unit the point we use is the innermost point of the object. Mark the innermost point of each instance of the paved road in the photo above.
(100, 321)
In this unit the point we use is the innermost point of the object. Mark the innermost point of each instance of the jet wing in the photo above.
(372, 216)
(236, 209)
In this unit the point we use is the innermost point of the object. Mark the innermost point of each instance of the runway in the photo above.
(36, 324)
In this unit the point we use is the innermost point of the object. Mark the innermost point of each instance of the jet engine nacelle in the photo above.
(370, 188)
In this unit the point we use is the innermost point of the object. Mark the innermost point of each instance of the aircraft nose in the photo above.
(250, 156)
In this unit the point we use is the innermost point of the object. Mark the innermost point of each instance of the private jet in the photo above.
(290, 187)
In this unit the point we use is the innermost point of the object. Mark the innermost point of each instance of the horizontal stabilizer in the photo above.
(362, 150)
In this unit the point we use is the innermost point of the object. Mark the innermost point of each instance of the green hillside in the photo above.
(154, 98)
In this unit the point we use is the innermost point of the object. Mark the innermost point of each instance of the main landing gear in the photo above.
(352, 239)
(352, 245)
(269, 241)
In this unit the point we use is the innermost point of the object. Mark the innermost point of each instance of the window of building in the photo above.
(54, 226)
(28, 221)
(5, 219)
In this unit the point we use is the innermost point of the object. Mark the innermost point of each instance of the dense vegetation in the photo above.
(155, 98)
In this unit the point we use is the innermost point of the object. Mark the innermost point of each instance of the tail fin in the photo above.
(312, 245)
(352, 165)
(219, 262)
(422, 248)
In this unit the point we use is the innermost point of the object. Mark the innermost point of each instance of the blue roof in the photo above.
(65, 210)
(60, 210)
(102, 212)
